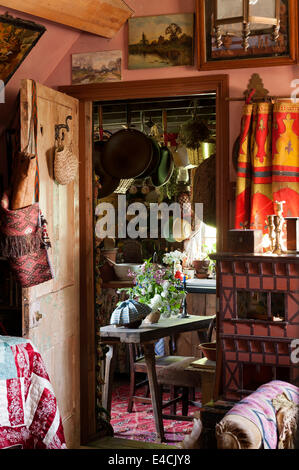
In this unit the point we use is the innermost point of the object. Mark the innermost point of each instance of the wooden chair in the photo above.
(171, 373)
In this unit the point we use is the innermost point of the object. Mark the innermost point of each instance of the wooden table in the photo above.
(147, 335)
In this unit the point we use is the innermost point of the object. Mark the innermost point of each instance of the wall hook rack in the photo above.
(58, 127)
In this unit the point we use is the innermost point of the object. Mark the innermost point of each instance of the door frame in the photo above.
(156, 88)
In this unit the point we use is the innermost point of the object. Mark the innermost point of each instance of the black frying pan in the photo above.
(127, 154)
(107, 182)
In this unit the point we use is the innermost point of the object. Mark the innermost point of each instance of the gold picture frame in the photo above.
(161, 41)
(17, 38)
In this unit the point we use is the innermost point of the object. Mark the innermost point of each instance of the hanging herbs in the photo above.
(170, 189)
(194, 131)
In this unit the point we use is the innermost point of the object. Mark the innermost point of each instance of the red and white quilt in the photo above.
(29, 415)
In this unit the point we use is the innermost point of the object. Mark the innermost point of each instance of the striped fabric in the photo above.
(268, 163)
(34, 119)
(129, 311)
(259, 409)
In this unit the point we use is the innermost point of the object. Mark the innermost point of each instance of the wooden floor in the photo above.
(116, 443)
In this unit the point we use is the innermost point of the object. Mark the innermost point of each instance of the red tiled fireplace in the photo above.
(258, 319)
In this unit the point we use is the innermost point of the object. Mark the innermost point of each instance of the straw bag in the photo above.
(65, 165)
(23, 235)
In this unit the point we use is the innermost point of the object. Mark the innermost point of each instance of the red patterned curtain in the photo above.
(268, 163)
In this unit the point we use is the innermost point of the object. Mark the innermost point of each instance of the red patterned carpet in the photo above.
(139, 425)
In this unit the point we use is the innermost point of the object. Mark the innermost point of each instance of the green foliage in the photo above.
(170, 189)
(157, 287)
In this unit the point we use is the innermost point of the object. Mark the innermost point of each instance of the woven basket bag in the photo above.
(65, 165)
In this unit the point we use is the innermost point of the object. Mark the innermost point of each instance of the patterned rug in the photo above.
(140, 425)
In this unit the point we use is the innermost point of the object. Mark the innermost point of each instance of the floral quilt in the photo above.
(29, 415)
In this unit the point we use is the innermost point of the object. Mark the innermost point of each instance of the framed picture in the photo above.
(223, 43)
(17, 38)
(161, 41)
(96, 67)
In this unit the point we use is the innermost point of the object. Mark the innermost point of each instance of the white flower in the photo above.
(173, 257)
(156, 302)
(165, 285)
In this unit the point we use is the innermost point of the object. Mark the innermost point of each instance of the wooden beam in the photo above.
(100, 17)
(87, 295)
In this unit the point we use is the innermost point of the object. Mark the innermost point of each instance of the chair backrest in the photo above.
(136, 352)
(211, 328)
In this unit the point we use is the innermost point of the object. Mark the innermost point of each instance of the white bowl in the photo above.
(122, 270)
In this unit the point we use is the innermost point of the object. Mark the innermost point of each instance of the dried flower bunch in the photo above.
(193, 133)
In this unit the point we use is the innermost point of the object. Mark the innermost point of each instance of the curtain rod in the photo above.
(261, 98)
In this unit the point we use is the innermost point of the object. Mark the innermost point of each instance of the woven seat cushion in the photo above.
(171, 371)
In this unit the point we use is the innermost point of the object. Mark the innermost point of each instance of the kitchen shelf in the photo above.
(117, 284)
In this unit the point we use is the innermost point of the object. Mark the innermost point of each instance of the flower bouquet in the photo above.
(156, 286)
(174, 257)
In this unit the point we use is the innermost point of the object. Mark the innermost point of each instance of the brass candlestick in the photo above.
(278, 222)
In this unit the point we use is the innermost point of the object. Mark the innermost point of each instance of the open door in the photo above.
(51, 309)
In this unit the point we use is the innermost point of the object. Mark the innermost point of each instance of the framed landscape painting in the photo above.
(96, 67)
(261, 51)
(17, 38)
(161, 41)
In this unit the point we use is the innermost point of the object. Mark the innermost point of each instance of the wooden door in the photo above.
(51, 309)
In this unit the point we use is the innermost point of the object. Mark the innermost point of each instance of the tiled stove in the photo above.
(258, 319)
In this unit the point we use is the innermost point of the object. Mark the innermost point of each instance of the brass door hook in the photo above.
(58, 127)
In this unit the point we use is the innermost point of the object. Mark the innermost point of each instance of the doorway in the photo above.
(145, 89)
(168, 121)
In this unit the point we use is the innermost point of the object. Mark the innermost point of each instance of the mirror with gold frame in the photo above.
(246, 33)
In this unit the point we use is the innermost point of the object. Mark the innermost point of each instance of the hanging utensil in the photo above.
(164, 124)
(108, 184)
(166, 166)
(150, 123)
